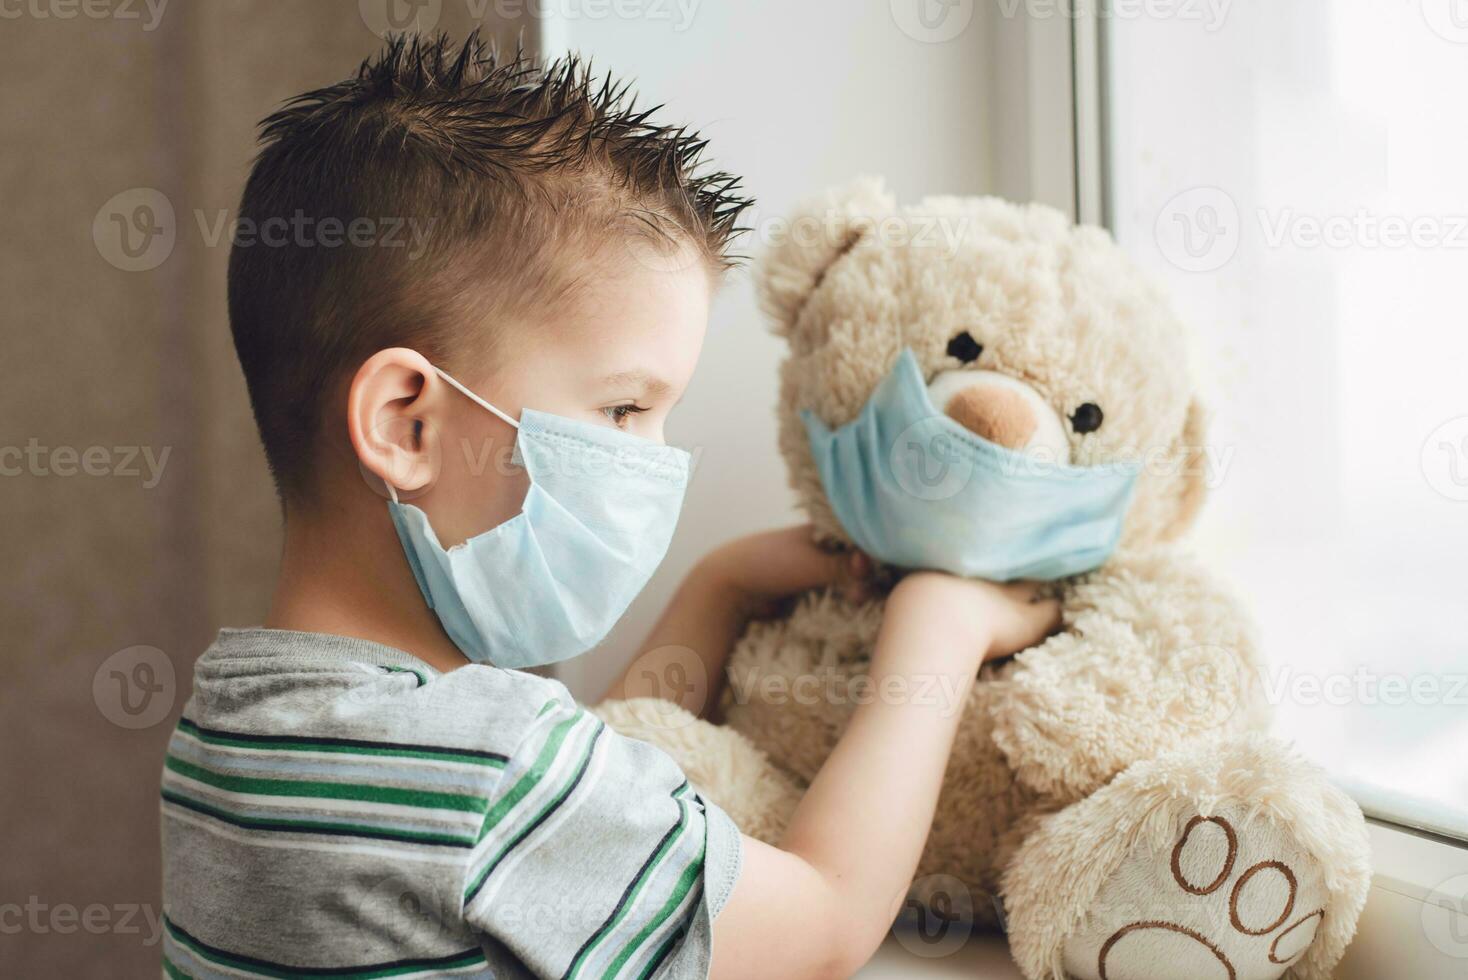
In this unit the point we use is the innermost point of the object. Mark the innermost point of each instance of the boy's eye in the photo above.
(619, 414)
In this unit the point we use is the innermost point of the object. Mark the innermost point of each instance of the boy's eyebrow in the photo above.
(649, 384)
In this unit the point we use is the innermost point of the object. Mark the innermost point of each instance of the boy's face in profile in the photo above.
(620, 354)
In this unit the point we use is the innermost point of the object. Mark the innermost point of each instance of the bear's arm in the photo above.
(1153, 652)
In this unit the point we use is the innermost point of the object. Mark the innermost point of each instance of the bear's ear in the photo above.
(1191, 453)
(820, 231)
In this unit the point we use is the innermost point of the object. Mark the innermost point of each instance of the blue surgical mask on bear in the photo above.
(915, 489)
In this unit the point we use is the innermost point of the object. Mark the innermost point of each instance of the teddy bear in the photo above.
(1113, 800)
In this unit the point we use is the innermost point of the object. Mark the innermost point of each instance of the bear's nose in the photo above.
(1001, 409)
(996, 414)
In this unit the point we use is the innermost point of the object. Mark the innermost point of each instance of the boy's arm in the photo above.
(743, 579)
(819, 905)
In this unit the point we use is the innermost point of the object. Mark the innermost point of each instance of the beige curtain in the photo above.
(137, 513)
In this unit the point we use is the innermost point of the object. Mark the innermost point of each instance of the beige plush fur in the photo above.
(1274, 799)
(718, 761)
(1080, 762)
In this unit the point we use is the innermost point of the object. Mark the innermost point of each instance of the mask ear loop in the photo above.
(392, 490)
(475, 398)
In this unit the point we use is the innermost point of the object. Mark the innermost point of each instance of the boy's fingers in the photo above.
(798, 564)
(1026, 591)
(1049, 608)
(789, 560)
(854, 578)
(1048, 613)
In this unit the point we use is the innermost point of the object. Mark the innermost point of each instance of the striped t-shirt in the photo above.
(333, 807)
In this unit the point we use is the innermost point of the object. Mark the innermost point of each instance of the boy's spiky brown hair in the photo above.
(436, 200)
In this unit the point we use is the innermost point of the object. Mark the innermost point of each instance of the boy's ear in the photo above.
(392, 431)
(817, 233)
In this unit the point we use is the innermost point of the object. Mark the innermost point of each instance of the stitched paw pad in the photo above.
(1230, 899)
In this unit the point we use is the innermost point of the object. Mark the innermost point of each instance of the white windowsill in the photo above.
(982, 957)
(1416, 919)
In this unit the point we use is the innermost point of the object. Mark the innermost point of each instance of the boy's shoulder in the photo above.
(277, 683)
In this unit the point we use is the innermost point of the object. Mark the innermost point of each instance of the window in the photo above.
(1296, 175)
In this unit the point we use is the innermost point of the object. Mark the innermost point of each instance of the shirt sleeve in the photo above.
(597, 858)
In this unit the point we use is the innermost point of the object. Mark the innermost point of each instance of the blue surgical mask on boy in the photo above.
(551, 582)
(915, 489)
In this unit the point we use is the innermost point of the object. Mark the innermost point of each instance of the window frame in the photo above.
(1054, 67)
(1419, 853)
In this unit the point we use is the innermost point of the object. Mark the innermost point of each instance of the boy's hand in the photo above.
(1022, 614)
(764, 568)
(1001, 618)
(825, 897)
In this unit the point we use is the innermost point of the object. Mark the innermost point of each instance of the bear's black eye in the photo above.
(965, 347)
(1087, 418)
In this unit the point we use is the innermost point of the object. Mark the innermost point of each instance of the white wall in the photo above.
(794, 96)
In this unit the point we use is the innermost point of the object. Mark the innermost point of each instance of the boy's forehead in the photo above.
(641, 328)
(640, 380)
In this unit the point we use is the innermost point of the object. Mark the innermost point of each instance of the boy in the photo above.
(364, 786)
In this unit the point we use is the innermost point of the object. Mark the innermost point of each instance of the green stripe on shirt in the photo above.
(255, 966)
(517, 793)
(532, 777)
(317, 789)
(174, 973)
(287, 825)
(668, 843)
(661, 954)
(690, 877)
(287, 743)
(587, 842)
